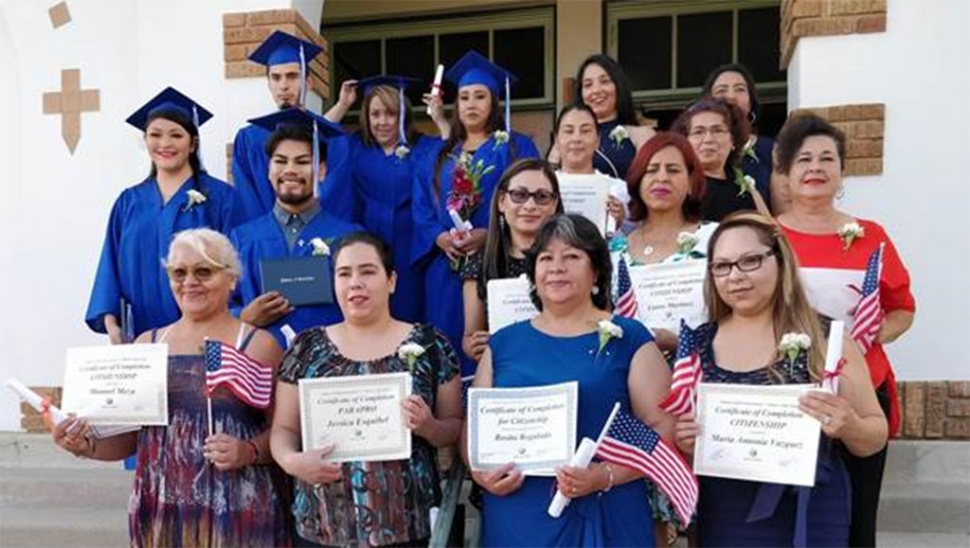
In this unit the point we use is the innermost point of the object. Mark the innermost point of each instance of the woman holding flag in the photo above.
(614, 360)
(207, 478)
(853, 273)
(763, 332)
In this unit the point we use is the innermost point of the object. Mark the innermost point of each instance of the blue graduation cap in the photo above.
(475, 68)
(318, 125)
(282, 48)
(401, 83)
(169, 100)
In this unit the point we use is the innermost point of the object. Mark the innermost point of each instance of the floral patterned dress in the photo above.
(374, 503)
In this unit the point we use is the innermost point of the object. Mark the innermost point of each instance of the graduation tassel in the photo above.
(198, 148)
(400, 117)
(303, 76)
(508, 106)
(316, 160)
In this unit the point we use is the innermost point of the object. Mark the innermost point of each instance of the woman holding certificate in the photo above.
(843, 260)
(526, 196)
(613, 359)
(207, 478)
(368, 501)
(764, 332)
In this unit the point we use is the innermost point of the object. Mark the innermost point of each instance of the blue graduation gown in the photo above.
(263, 238)
(139, 231)
(443, 300)
(374, 189)
(250, 171)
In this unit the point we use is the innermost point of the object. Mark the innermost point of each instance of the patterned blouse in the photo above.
(375, 503)
(474, 269)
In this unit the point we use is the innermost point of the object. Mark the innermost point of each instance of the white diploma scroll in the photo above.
(509, 302)
(586, 196)
(439, 73)
(534, 428)
(125, 384)
(461, 226)
(361, 415)
(833, 356)
(36, 401)
(669, 292)
(756, 433)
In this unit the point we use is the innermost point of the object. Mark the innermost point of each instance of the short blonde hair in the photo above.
(213, 246)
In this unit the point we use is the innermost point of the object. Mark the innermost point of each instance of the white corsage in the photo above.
(686, 242)
(748, 150)
(501, 137)
(792, 346)
(745, 183)
(618, 135)
(320, 247)
(410, 352)
(194, 198)
(850, 232)
(401, 151)
(608, 330)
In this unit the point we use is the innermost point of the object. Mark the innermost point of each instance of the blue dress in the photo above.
(140, 229)
(759, 167)
(524, 356)
(374, 189)
(263, 239)
(613, 158)
(443, 300)
(746, 513)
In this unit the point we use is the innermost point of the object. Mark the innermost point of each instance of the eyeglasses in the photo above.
(747, 263)
(541, 197)
(716, 132)
(202, 274)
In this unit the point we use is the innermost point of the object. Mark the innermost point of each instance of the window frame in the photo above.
(674, 97)
(544, 17)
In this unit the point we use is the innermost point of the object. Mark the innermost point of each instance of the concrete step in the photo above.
(63, 526)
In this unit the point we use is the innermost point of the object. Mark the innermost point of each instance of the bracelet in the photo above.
(609, 472)
(255, 451)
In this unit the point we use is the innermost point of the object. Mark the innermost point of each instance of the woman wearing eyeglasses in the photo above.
(194, 487)
(834, 250)
(754, 296)
(525, 197)
(718, 132)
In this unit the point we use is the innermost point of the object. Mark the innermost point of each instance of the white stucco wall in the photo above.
(918, 68)
(55, 205)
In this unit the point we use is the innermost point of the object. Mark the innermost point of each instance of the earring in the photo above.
(596, 290)
(839, 194)
(752, 117)
(501, 221)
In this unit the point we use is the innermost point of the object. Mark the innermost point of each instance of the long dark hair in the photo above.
(186, 123)
(748, 80)
(498, 243)
(625, 113)
(579, 232)
(496, 120)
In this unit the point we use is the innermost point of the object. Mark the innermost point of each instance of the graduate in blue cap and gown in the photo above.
(482, 133)
(131, 291)
(373, 184)
(296, 227)
(287, 59)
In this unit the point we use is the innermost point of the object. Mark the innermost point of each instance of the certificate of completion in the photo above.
(360, 415)
(509, 302)
(668, 292)
(124, 384)
(534, 427)
(756, 433)
(586, 196)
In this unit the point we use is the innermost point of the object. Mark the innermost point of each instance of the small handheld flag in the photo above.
(626, 298)
(249, 380)
(686, 374)
(868, 313)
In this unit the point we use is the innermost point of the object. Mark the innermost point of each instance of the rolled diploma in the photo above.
(581, 459)
(461, 225)
(436, 86)
(833, 354)
(35, 400)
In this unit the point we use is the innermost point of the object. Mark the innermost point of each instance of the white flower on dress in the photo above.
(401, 151)
(850, 232)
(194, 198)
(608, 330)
(745, 183)
(686, 242)
(410, 352)
(501, 137)
(792, 345)
(618, 135)
(320, 247)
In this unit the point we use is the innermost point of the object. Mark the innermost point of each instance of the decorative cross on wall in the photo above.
(70, 102)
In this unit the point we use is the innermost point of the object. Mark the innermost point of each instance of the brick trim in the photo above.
(801, 18)
(864, 127)
(935, 410)
(243, 32)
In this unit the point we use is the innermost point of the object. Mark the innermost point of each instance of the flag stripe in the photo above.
(249, 380)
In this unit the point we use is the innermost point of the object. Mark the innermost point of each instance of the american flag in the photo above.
(250, 380)
(631, 443)
(626, 299)
(686, 374)
(868, 313)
